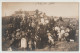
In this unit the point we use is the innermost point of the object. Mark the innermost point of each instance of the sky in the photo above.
(64, 9)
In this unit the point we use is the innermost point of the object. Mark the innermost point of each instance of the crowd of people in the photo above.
(30, 33)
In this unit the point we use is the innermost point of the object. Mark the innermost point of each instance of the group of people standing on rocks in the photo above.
(30, 33)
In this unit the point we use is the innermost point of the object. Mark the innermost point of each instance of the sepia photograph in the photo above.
(40, 26)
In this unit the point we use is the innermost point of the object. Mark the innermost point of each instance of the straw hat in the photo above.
(18, 30)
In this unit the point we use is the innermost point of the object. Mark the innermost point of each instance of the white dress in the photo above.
(9, 49)
(50, 39)
(57, 28)
(30, 42)
(61, 33)
(23, 43)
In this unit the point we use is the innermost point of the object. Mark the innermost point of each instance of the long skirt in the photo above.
(23, 43)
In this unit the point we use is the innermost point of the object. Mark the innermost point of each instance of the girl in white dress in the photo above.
(9, 49)
(23, 43)
(51, 40)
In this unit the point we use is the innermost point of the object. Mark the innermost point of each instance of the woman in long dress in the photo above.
(30, 44)
(23, 43)
(50, 39)
(67, 31)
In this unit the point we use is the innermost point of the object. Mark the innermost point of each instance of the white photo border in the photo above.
(34, 1)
